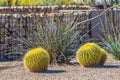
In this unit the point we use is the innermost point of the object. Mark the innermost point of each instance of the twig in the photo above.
(93, 17)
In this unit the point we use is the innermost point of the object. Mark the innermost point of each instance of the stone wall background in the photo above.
(41, 9)
(15, 25)
(96, 22)
(17, 22)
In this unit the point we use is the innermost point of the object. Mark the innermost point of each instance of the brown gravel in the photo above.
(16, 71)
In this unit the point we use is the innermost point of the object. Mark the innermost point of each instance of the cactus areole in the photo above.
(36, 60)
(88, 55)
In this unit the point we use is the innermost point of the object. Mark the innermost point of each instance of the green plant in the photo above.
(8, 2)
(20, 2)
(117, 1)
(61, 2)
(3, 2)
(43, 2)
(29, 2)
(47, 2)
(92, 2)
(88, 1)
(103, 57)
(111, 30)
(88, 55)
(36, 2)
(36, 59)
(77, 1)
(13, 2)
(114, 48)
(54, 36)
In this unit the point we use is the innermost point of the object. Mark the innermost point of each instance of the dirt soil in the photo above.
(16, 71)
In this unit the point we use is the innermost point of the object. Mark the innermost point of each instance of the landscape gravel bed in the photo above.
(16, 71)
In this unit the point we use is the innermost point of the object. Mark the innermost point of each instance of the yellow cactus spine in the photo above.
(30, 2)
(67, 1)
(103, 57)
(36, 60)
(88, 55)
(63, 2)
(13, 2)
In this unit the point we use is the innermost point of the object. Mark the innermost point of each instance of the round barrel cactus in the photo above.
(88, 55)
(36, 60)
(103, 57)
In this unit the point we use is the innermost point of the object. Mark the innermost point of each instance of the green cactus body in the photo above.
(88, 55)
(36, 60)
(103, 57)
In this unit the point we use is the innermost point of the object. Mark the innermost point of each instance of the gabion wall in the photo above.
(41, 9)
(15, 27)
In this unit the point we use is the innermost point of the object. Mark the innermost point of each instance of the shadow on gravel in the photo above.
(53, 71)
(5, 67)
(107, 66)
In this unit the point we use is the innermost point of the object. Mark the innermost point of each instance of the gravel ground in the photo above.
(16, 71)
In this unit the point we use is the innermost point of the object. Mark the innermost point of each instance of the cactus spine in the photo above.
(103, 57)
(36, 60)
(88, 55)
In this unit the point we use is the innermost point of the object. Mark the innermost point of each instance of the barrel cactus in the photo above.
(36, 60)
(88, 55)
(103, 57)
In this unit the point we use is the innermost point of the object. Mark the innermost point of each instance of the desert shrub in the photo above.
(60, 2)
(29, 2)
(43, 2)
(55, 36)
(20, 2)
(3, 2)
(111, 30)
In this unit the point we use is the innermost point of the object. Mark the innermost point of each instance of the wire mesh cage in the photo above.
(15, 25)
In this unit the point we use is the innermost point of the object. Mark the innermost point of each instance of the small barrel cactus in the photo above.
(88, 55)
(103, 57)
(36, 60)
